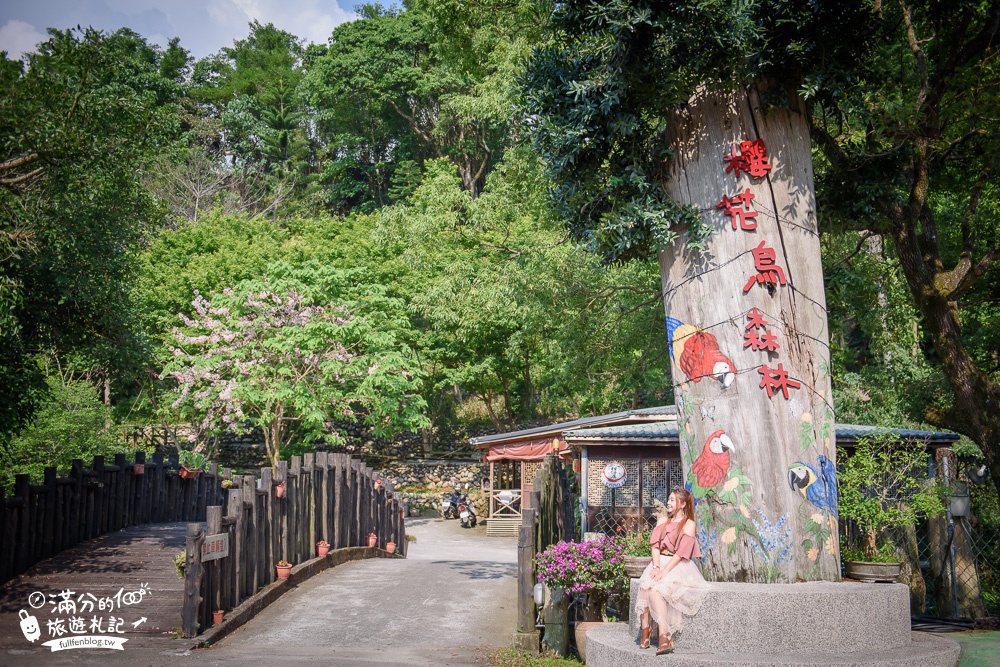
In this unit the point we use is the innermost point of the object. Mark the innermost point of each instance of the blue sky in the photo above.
(204, 26)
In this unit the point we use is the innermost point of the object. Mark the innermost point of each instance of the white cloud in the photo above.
(19, 37)
(312, 20)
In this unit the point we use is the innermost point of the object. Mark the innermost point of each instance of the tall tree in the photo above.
(78, 123)
(386, 64)
(909, 152)
(649, 114)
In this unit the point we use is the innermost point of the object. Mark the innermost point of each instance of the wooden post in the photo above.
(354, 501)
(526, 636)
(282, 504)
(321, 483)
(309, 516)
(22, 493)
(236, 546)
(340, 532)
(138, 489)
(100, 499)
(251, 538)
(294, 515)
(213, 521)
(49, 517)
(76, 492)
(740, 431)
(190, 627)
(270, 525)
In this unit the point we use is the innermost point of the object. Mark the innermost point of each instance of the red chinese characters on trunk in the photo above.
(751, 158)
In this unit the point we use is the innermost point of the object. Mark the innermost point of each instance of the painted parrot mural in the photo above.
(818, 487)
(712, 465)
(697, 353)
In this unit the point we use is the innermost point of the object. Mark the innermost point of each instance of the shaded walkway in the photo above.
(101, 567)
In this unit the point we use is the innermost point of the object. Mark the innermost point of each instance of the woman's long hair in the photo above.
(684, 498)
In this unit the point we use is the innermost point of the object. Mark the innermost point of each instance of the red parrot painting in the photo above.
(712, 465)
(697, 353)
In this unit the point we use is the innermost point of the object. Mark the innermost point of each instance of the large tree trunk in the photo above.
(976, 407)
(767, 507)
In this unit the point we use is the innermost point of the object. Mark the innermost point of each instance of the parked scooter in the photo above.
(466, 510)
(449, 506)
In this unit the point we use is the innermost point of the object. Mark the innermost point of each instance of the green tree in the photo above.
(896, 95)
(383, 95)
(78, 124)
(291, 353)
(908, 156)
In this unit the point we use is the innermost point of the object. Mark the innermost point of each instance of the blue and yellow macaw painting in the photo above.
(697, 353)
(818, 487)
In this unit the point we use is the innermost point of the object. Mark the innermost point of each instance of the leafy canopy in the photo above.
(292, 352)
(600, 95)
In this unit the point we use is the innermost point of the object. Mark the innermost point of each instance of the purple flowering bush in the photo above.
(595, 569)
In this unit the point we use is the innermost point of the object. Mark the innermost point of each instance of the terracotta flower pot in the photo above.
(279, 490)
(283, 572)
(217, 616)
(189, 473)
(634, 565)
(372, 539)
(390, 547)
(580, 632)
(138, 468)
(322, 549)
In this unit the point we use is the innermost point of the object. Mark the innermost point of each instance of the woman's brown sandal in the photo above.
(646, 630)
(664, 645)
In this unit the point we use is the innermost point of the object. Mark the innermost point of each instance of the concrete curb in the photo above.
(300, 573)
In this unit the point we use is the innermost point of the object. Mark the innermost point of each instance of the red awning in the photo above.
(533, 450)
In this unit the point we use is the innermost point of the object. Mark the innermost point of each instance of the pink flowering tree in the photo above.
(292, 354)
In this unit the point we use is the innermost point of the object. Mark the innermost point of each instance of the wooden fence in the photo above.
(39, 521)
(326, 497)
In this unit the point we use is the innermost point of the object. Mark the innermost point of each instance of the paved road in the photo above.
(452, 599)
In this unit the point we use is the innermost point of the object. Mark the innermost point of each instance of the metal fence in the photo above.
(960, 562)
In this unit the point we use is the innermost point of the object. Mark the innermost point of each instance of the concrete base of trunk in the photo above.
(813, 623)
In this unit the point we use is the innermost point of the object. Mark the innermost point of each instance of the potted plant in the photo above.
(390, 547)
(279, 489)
(372, 539)
(884, 485)
(217, 616)
(594, 568)
(637, 552)
(322, 548)
(180, 563)
(284, 569)
(192, 463)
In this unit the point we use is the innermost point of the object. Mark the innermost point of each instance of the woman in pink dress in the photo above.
(671, 586)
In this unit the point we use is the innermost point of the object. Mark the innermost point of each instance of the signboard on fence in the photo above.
(214, 547)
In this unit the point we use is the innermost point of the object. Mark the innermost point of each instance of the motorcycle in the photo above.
(449, 506)
(466, 512)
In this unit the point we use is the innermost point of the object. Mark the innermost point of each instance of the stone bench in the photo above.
(814, 623)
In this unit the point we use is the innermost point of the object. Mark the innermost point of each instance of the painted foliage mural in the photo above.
(747, 331)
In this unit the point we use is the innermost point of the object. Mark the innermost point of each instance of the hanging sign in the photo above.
(215, 546)
(613, 475)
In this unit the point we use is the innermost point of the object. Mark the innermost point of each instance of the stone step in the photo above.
(614, 645)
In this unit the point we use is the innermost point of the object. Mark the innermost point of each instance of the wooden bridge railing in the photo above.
(39, 521)
(326, 497)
